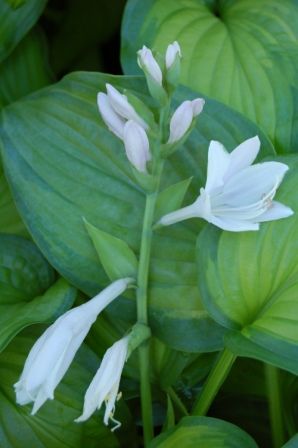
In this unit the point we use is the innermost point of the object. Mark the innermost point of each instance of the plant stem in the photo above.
(142, 308)
(214, 381)
(275, 405)
(177, 401)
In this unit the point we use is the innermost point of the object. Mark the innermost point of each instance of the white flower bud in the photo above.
(183, 117)
(114, 122)
(148, 63)
(122, 107)
(172, 52)
(136, 145)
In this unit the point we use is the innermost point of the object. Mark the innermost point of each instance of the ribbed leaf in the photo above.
(249, 283)
(16, 22)
(243, 53)
(80, 169)
(193, 432)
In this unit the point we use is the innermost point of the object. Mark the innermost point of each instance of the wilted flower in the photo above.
(173, 51)
(105, 384)
(237, 196)
(136, 145)
(183, 118)
(53, 352)
(148, 63)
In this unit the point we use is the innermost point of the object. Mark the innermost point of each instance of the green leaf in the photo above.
(24, 272)
(25, 70)
(206, 432)
(45, 308)
(116, 257)
(10, 220)
(15, 23)
(53, 425)
(243, 53)
(62, 163)
(293, 443)
(249, 283)
(25, 299)
(171, 198)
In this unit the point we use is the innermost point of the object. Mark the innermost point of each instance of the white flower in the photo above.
(122, 107)
(54, 351)
(114, 122)
(172, 52)
(136, 145)
(148, 63)
(115, 110)
(105, 384)
(237, 196)
(183, 118)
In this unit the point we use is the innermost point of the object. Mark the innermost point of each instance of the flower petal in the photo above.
(243, 156)
(251, 184)
(233, 225)
(218, 163)
(276, 211)
(114, 122)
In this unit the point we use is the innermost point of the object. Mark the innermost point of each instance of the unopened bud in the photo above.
(114, 122)
(148, 63)
(136, 145)
(173, 52)
(122, 107)
(183, 118)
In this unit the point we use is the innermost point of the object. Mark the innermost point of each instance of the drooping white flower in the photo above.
(237, 196)
(136, 145)
(172, 52)
(183, 118)
(105, 385)
(53, 352)
(121, 106)
(148, 63)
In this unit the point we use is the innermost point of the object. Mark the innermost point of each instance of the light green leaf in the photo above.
(249, 283)
(15, 23)
(171, 198)
(62, 163)
(207, 432)
(53, 426)
(243, 53)
(116, 257)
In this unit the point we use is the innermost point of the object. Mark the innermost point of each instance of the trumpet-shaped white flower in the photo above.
(237, 196)
(53, 352)
(105, 384)
(172, 52)
(148, 63)
(183, 118)
(136, 145)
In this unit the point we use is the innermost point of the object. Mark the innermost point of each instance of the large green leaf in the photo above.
(193, 432)
(63, 165)
(16, 22)
(25, 277)
(53, 425)
(249, 283)
(243, 53)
